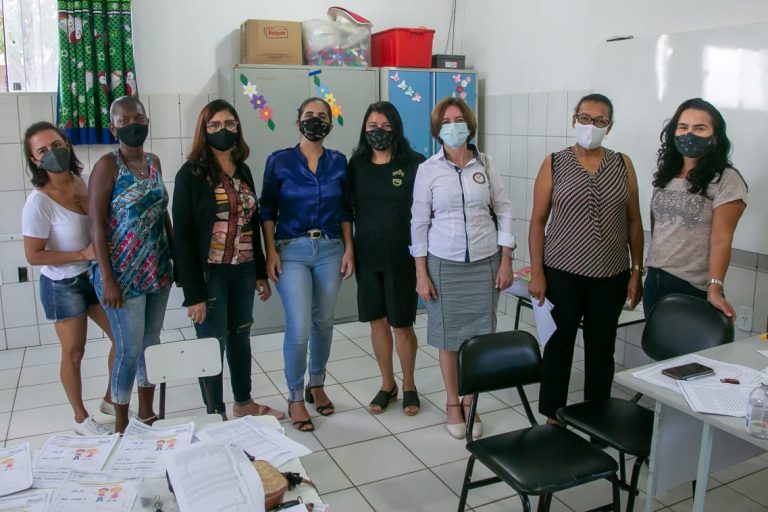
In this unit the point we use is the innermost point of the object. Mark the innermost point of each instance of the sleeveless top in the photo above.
(588, 231)
(138, 244)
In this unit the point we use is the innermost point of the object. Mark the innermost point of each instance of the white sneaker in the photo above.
(89, 427)
(109, 409)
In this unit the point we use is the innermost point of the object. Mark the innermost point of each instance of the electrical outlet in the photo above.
(23, 275)
(744, 319)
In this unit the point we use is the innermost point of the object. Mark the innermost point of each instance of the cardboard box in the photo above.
(270, 42)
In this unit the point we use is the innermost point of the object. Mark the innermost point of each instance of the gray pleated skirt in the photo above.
(466, 300)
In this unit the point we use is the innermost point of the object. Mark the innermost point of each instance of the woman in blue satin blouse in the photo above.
(307, 223)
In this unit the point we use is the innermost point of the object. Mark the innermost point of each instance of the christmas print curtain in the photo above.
(95, 66)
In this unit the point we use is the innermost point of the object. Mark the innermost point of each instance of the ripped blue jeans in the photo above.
(229, 315)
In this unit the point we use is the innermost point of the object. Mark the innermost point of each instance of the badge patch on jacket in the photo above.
(397, 177)
(479, 178)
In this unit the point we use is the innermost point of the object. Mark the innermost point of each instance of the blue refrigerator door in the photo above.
(411, 93)
(456, 83)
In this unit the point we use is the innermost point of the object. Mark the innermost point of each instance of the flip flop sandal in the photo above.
(382, 400)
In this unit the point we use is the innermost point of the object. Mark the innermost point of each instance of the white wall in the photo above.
(179, 45)
(523, 46)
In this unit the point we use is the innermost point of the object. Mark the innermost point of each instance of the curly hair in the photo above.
(709, 167)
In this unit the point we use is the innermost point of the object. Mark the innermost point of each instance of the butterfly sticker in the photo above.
(409, 91)
(416, 97)
(395, 77)
(402, 85)
(456, 78)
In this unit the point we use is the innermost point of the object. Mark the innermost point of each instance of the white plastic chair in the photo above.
(183, 360)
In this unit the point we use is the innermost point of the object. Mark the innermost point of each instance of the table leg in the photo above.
(653, 460)
(702, 473)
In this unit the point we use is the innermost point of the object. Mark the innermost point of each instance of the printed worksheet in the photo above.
(15, 469)
(35, 501)
(81, 453)
(261, 442)
(95, 492)
(214, 476)
(140, 451)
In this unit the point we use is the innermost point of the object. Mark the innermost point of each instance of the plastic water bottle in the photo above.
(757, 412)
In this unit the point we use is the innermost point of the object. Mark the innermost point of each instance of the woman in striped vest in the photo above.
(581, 265)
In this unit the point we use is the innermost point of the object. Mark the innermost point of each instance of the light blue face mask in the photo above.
(454, 134)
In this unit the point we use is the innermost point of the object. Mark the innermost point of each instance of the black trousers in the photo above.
(599, 302)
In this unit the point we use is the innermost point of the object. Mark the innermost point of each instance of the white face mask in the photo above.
(589, 136)
(454, 134)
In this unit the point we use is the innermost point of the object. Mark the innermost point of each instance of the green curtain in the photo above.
(95, 66)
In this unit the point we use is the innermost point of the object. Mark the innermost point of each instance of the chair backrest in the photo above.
(183, 360)
(498, 361)
(679, 324)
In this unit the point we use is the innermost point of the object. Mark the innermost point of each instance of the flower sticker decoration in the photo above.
(461, 86)
(325, 92)
(258, 102)
(407, 89)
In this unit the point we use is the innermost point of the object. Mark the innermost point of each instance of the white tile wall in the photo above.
(12, 177)
(9, 113)
(530, 126)
(23, 322)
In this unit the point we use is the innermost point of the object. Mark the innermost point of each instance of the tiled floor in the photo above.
(361, 462)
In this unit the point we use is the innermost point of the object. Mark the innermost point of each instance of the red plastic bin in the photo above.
(402, 47)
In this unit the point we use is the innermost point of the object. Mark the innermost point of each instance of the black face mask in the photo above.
(56, 160)
(133, 134)
(691, 145)
(379, 138)
(314, 129)
(222, 140)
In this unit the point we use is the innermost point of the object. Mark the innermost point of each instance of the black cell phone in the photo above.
(688, 371)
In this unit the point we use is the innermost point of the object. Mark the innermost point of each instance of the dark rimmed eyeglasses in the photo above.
(599, 122)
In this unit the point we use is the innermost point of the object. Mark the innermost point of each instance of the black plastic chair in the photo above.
(678, 324)
(535, 461)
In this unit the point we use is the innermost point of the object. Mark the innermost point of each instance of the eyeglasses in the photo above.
(599, 122)
(215, 126)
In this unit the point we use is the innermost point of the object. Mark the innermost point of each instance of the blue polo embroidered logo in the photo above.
(479, 178)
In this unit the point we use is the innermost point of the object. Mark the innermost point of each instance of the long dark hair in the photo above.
(709, 167)
(39, 177)
(400, 146)
(201, 155)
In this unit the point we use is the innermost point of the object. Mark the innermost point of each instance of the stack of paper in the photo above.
(746, 376)
(722, 399)
(214, 476)
(60, 454)
(15, 469)
(140, 451)
(261, 442)
(95, 492)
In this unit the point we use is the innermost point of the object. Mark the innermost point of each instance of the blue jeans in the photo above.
(308, 289)
(229, 315)
(659, 283)
(135, 326)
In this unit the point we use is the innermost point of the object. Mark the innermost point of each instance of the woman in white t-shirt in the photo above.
(698, 199)
(56, 235)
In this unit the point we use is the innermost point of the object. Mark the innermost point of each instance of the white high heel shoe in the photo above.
(456, 430)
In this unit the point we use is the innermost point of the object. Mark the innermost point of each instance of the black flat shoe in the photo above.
(382, 400)
(322, 410)
(411, 399)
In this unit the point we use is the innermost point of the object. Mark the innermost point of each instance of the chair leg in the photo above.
(161, 414)
(517, 312)
(545, 501)
(526, 502)
(616, 499)
(622, 469)
(632, 491)
(210, 408)
(465, 485)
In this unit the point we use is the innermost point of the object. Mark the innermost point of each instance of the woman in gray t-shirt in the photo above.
(698, 199)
